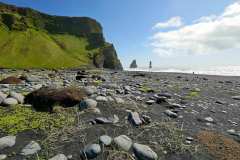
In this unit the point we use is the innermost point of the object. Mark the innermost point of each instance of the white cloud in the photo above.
(212, 34)
(172, 22)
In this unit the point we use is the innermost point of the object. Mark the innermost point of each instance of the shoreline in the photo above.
(214, 70)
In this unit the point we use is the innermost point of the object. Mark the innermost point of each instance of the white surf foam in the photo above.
(216, 70)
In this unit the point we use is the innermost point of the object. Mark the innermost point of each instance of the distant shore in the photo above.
(215, 70)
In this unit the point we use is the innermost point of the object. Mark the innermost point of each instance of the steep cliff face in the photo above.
(108, 58)
(60, 39)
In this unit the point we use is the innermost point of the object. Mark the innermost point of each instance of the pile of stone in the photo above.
(12, 98)
(122, 142)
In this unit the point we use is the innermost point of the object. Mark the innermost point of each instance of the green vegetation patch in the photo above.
(146, 89)
(193, 95)
(20, 118)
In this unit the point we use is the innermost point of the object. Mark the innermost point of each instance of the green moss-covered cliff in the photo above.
(30, 39)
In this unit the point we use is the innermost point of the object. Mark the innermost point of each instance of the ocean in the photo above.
(215, 70)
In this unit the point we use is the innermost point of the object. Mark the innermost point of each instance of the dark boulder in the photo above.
(81, 75)
(45, 98)
(11, 80)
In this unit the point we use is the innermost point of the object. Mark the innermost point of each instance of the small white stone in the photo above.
(32, 148)
(7, 141)
(3, 156)
(123, 142)
(59, 157)
(10, 102)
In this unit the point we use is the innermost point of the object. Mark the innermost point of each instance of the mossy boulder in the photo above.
(44, 99)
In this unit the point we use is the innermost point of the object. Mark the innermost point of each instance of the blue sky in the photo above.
(129, 25)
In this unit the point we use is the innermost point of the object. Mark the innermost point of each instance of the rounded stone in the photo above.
(124, 142)
(2, 95)
(10, 102)
(32, 148)
(143, 152)
(106, 140)
(87, 103)
(90, 90)
(3, 156)
(101, 99)
(7, 141)
(92, 151)
(59, 157)
(19, 97)
(119, 100)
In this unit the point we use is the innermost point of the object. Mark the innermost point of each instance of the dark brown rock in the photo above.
(45, 98)
(11, 80)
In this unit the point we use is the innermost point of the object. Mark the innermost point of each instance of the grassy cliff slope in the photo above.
(30, 39)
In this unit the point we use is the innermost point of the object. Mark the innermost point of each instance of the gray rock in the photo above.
(92, 151)
(143, 152)
(111, 86)
(150, 102)
(127, 88)
(220, 102)
(134, 118)
(119, 100)
(106, 140)
(9, 102)
(110, 99)
(160, 99)
(95, 110)
(171, 114)
(32, 148)
(167, 95)
(5, 85)
(87, 103)
(175, 105)
(70, 156)
(123, 142)
(7, 141)
(231, 131)
(19, 97)
(103, 120)
(3, 156)
(109, 120)
(236, 97)
(115, 119)
(90, 90)
(101, 99)
(59, 157)
(119, 91)
(209, 119)
(2, 95)
(189, 138)
(38, 86)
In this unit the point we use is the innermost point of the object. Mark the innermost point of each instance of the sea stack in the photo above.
(133, 64)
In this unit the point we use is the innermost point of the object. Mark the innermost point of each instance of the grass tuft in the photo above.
(20, 118)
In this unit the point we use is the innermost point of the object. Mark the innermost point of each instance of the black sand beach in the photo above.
(179, 116)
